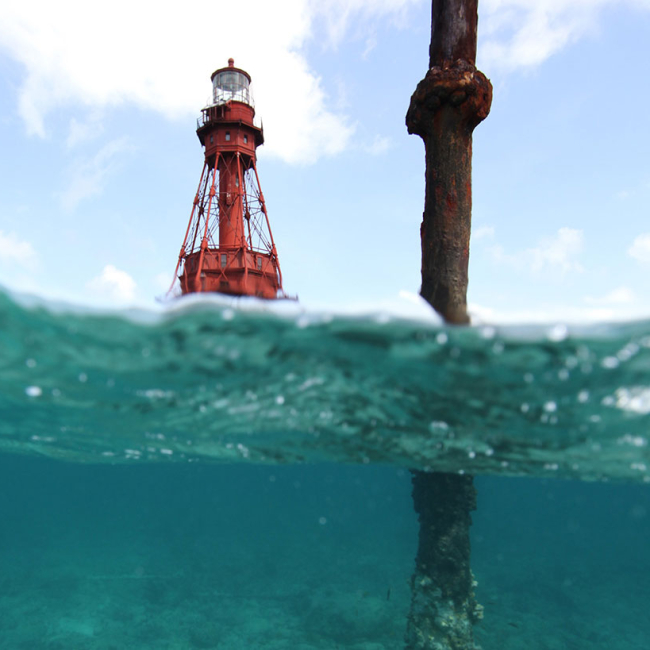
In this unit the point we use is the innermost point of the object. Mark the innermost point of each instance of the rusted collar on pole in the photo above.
(452, 99)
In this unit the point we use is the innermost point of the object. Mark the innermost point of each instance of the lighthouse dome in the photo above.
(231, 84)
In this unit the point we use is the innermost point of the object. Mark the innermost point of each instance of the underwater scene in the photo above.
(231, 477)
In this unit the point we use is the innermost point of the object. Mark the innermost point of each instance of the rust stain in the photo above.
(447, 105)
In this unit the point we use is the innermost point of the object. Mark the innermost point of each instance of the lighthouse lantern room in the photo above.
(228, 246)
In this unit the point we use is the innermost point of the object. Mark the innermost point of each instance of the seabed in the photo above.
(302, 557)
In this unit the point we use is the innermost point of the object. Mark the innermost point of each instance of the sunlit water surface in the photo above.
(217, 477)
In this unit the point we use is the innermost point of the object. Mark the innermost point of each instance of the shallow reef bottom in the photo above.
(302, 557)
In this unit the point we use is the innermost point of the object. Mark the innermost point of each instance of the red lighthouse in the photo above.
(228, 245)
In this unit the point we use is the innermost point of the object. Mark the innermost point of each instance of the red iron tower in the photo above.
(228, 245)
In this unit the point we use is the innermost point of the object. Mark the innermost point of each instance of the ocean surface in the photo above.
(237, 477)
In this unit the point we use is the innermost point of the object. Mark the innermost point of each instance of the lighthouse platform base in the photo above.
(236, 272)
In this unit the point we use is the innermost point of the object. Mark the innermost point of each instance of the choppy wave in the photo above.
(209, 382)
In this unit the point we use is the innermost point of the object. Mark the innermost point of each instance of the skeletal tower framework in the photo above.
(228, 246)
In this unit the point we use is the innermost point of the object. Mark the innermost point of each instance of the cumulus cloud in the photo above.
(380, 145)
(640, 249)
(89, 175)
(160, 58)
(14, 250)
(558, 252)
(618, 296)
(113, 284)
(483, 232)
(70, 62)
(555, 254)
(336, 15)
(524, 33)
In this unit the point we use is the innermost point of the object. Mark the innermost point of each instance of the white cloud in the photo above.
(483, 232)
(619, 296)
(114, 284)
(89, 176)
(16, 251)
(94, 55)
(640, 249)
(85, 130)
(381, 144)
(556, 254)
(524, 33)
(337, 15)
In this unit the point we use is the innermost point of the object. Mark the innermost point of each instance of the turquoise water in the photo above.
(215, 477)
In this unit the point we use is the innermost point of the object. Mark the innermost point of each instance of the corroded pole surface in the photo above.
(443, 608)
(452, 99)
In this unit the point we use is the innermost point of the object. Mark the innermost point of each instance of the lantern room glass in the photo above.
(230, 85)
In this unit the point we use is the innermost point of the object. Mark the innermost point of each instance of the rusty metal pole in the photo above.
(443, 607)
(452, 99)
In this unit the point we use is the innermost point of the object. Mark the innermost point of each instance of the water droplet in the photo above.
(488, 332)
(610, 363)
(33, 391)
(498, 347)
(550, 407)
(558, 333)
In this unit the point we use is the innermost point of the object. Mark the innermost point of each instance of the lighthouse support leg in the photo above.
(452, 99)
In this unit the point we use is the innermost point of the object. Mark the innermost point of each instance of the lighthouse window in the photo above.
(229, 85)
(259, 263)
(224, 260)
(211, 139)
(245, 139)
(227, 136)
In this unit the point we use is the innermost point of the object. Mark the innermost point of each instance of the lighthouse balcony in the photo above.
(228, 112)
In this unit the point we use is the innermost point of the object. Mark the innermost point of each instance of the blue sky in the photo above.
(99, 159)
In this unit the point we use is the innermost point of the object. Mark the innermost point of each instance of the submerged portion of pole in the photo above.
(452, 99)
(443, 608)
(448, 104)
